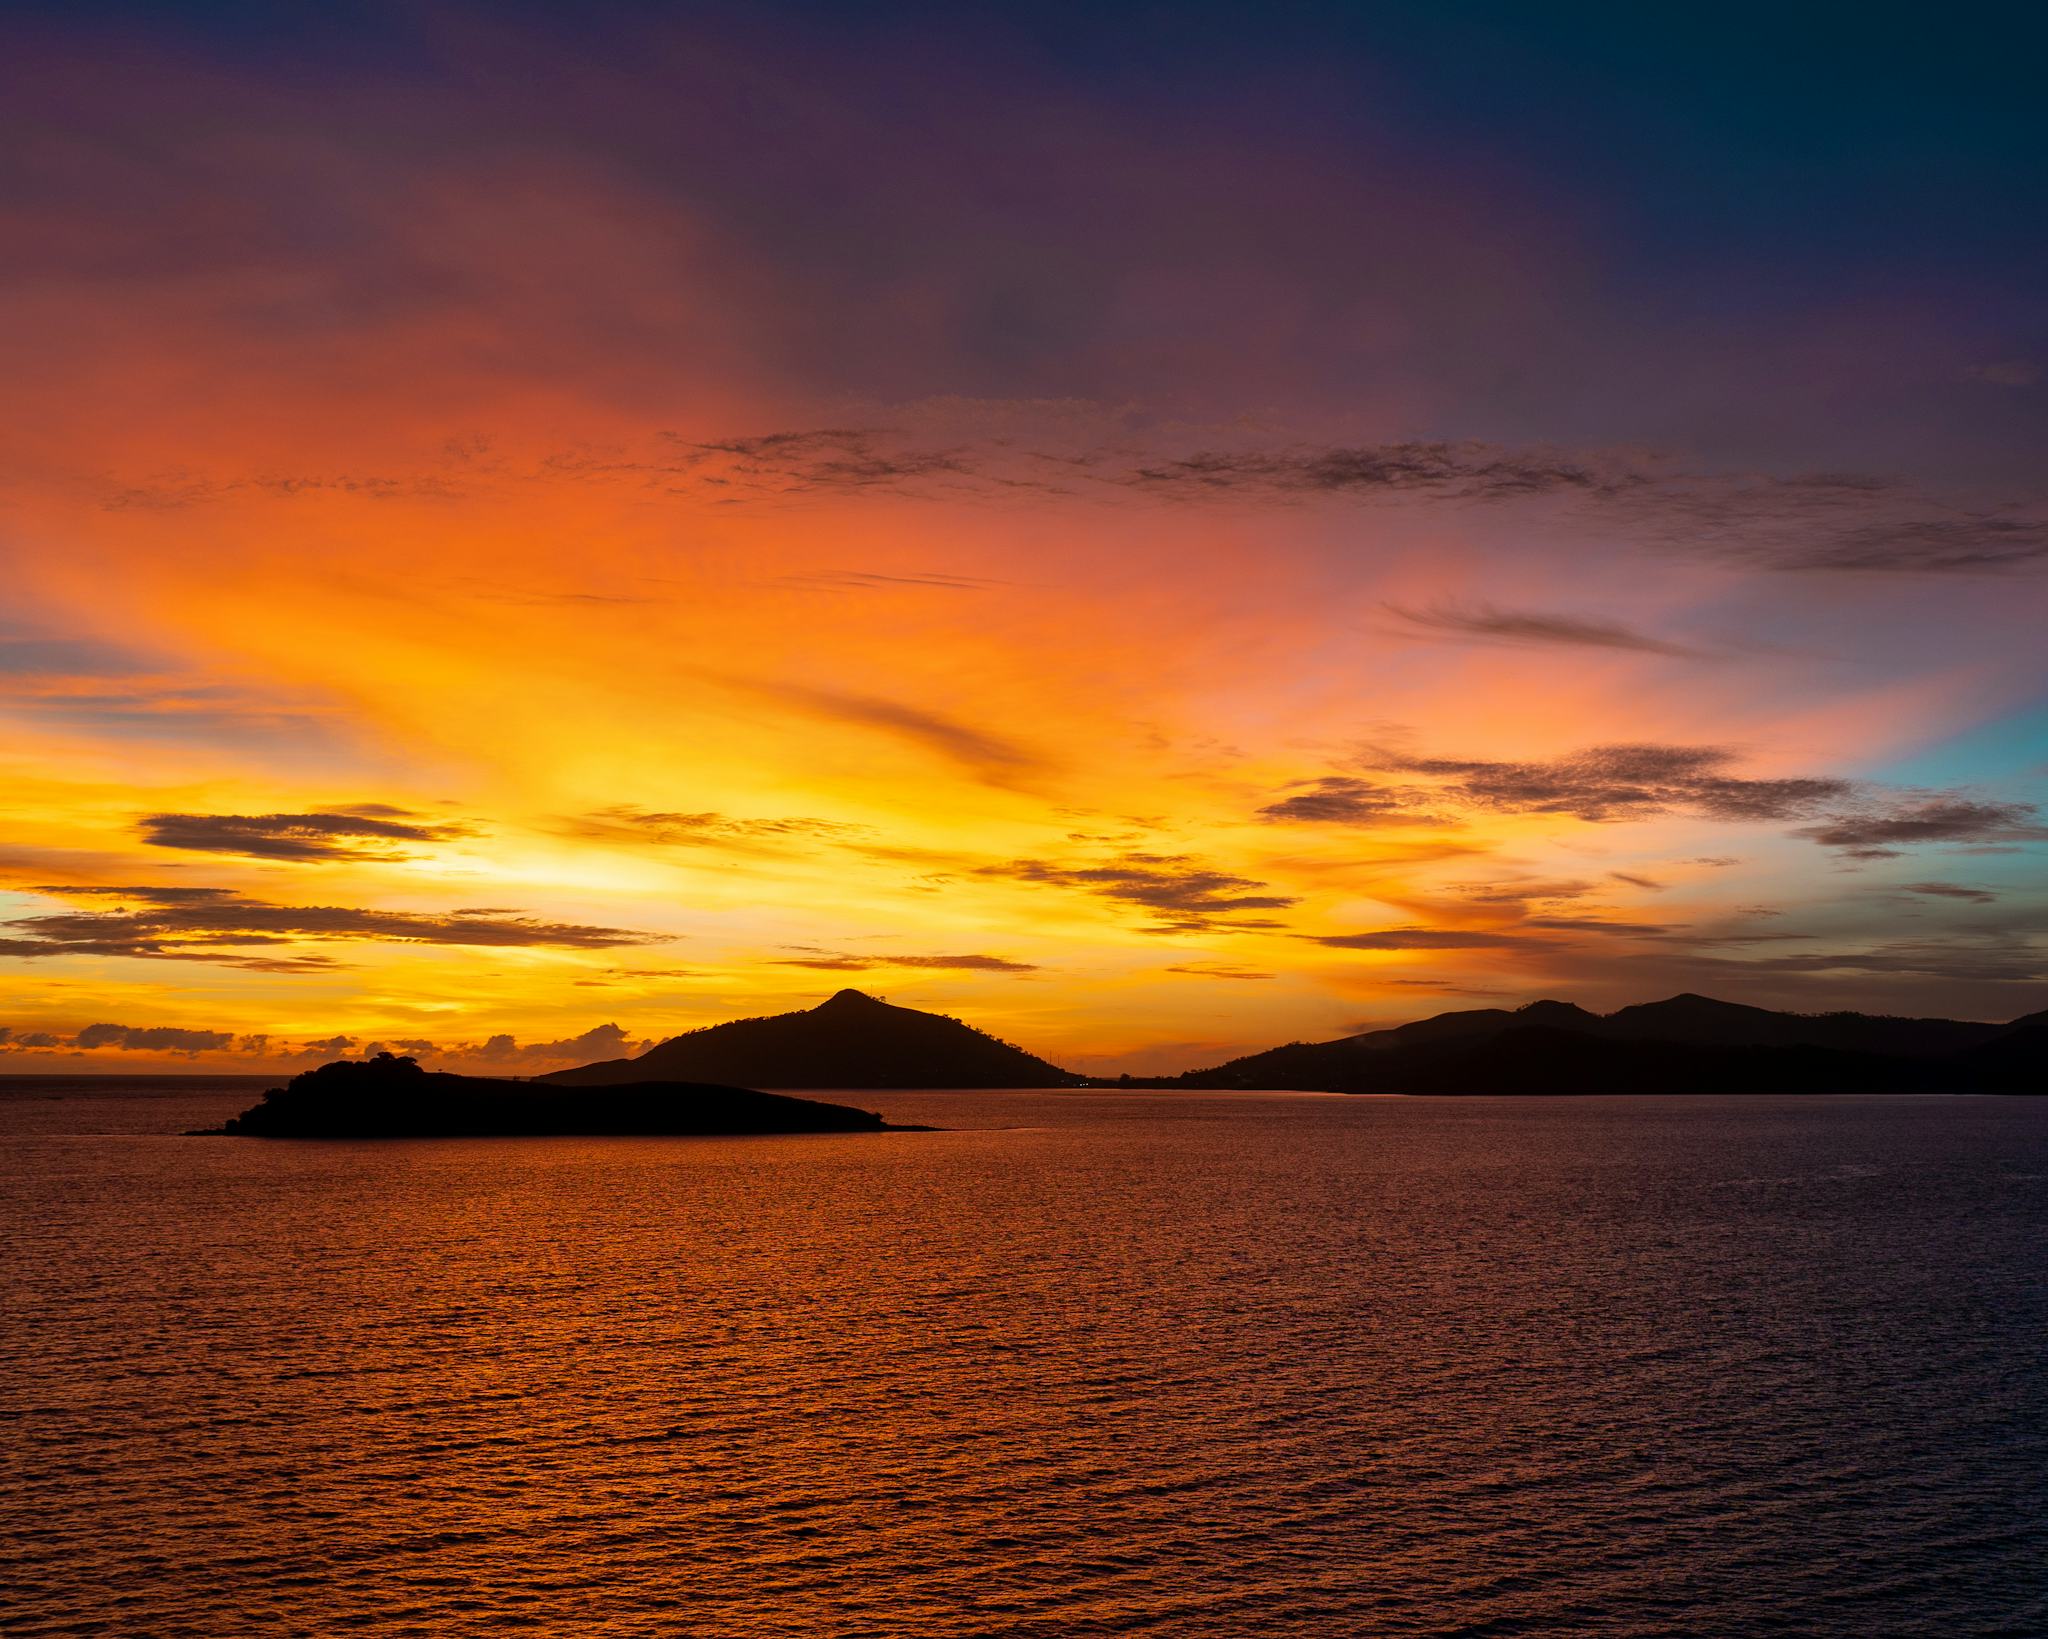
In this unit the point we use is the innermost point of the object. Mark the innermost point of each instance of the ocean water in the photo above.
(1088, 1363)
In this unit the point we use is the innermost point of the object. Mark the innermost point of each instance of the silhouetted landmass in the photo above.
(1684, 1044)
(2017, 1060)
(1687, 1044)
(388, 1097)
(1708, 1023)
(852, 1040)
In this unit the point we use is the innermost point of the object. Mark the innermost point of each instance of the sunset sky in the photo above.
(525, 536)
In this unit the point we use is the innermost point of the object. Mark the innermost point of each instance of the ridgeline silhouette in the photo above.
(389, 1097)
(851, 1040)
(704, 1082)
(1686, 1044)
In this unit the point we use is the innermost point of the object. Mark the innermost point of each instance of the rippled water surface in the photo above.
(1086, 1364)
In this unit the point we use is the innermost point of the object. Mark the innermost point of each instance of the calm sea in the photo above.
(1090, 1363)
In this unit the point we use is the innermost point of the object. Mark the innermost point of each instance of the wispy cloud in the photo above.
(842, 962)
(221, 926)
(860, 580)
(1831, 522)
(1182, 892)
(1342, 799)
(990, 755)
(1216, 970)
(1813, 521)
(1456, 471)
(1952, 890)
(374, 831)
(708, 828)
(1484, 622)
(1415, 938)
(1604, 783)
(822, 459)
(1881, 832)
(1625, 782)
(1620, 783)
(1998, 959)
(1521, 892)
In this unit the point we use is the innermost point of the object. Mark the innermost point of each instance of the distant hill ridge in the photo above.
(1685, 1043)
(850, 1040)
(1682, 1044)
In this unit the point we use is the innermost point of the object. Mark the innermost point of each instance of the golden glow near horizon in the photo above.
(1004, 762)
(623, 672)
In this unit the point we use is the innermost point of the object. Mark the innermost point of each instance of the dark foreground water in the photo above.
(1098, 1364)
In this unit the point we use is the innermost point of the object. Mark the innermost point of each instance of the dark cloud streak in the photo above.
(706, 829)
(1599, 785)
(1460, 471)
(375, 831)
(1952, 890)
(1943, 817)
(1183, 892)
(834, 962)
(221, 926)
(1825, 522)
(1617, 783)
(1486, 623)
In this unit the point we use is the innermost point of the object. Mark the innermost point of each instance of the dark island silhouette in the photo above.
(1686, 1044)
(707, 1081)
(851, 1040)
(390, 1097)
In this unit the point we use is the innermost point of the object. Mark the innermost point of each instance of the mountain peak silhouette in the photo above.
(850, 1039)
